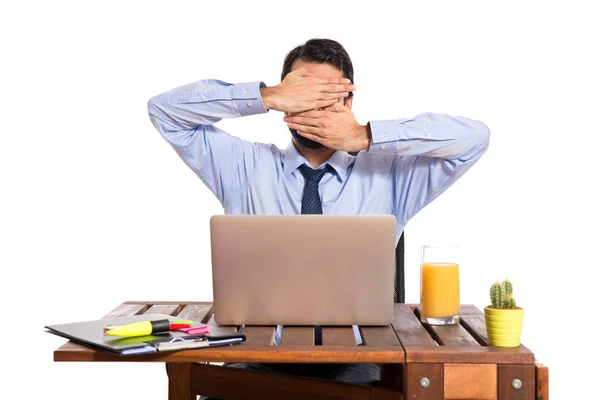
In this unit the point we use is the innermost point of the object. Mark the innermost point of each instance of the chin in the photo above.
(304, 142)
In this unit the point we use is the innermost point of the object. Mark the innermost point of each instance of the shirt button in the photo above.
(428, 134)
(385, 135)
(246, 92)
(203, 96)
(249, 104)
(382, 146)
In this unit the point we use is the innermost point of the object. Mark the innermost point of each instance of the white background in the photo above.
(97, 209)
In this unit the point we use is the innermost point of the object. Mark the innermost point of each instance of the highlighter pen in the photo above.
(141, 328)
(172, 327)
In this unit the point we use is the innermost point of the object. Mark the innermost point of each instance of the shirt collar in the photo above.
(293, 159)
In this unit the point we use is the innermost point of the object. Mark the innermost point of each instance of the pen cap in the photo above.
(163, 325)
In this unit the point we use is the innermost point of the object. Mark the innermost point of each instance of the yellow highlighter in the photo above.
(143, 328)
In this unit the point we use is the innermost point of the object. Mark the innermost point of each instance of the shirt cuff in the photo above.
(384, 134)
(248, 99)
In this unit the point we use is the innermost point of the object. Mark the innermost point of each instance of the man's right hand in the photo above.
(301, 91)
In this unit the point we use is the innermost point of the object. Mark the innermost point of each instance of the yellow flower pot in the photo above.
(504, 326)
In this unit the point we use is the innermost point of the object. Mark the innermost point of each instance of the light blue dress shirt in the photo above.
(410, 162)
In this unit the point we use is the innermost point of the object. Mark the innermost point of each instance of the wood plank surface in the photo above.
(180, 383)
(469, 309)
(414, 338)
(298, 336)
(338, 336)
(170, 309)
(376, 336)
(469, 354)
(475, 324)
(541, 382)
(412, 381)
(162, 302)
(409, 329)
(449, 335)
(196, 312)
(246, 354)
(126, 310)
(470, 381)
(508, 373)
(259, 335)
(208, 380)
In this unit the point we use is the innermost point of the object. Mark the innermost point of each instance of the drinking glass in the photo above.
(440, 288)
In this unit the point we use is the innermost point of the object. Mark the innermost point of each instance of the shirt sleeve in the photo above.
(185, 117)
(430, 152)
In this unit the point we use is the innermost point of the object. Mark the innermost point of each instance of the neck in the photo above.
(315, 157)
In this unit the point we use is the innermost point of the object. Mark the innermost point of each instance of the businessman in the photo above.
(332, 165)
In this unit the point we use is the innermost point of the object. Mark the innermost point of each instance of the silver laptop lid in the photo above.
(303, 269)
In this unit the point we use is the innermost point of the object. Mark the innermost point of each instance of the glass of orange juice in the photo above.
(440, 288)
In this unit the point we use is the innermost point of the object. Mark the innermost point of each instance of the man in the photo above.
(394, 167)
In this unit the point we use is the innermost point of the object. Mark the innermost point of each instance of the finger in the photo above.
(305, 128)
(334, 88)
(330, 96)
(339, 81)
(305, 121)
(337, 107)
(301, 72)
(324, 103)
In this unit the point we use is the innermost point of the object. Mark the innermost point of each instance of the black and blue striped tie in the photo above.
(311, 204)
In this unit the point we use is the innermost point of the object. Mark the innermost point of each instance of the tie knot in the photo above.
(313, 175)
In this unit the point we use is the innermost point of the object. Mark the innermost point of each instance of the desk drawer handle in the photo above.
(517, 384)
(424, 382)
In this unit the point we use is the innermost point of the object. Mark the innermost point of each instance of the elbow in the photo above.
(476, 142)
(157, 117)
(157, 114)
(482, 135)
(152, 107)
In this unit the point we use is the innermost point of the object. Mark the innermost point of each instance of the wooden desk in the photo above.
(418, 361)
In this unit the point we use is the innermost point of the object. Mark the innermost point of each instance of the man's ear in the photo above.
(348, 102)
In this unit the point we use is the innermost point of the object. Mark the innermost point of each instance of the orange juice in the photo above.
(440, 290)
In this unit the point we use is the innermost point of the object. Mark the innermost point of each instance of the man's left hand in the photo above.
(334, 127)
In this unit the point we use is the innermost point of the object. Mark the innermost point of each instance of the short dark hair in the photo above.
(321, 51)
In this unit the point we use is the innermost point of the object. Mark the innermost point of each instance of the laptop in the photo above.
(303, 269)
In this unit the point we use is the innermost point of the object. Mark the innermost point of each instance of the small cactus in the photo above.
(501, 295)
(510, 302)
(507, 287)
(496, 295)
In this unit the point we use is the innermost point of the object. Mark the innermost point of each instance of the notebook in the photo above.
(91, 334)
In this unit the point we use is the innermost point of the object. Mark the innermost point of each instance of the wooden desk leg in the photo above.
(180, 381)
(391, 383)
(541, 385)
(516, 382)
(423, 381)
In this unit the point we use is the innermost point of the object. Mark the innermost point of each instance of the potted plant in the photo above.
(503, 319)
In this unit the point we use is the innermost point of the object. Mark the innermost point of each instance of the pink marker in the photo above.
(195, 330)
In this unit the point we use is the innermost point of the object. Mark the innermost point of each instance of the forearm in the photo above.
(434, 150)
(203, 103)
(430, 135)
(185, 116)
